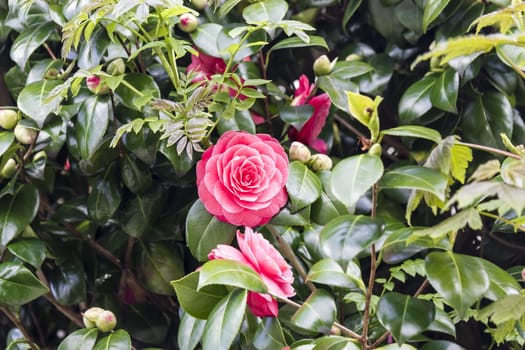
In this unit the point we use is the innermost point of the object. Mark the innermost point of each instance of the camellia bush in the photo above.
(270, 175)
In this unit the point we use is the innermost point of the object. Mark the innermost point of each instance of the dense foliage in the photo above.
(311, 174)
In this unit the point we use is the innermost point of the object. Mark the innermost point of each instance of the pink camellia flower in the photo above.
(312, 128)
(256, 252)
(205, 66)
(241, 179)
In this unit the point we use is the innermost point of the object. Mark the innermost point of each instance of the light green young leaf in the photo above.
(433, 8)
(508, 308)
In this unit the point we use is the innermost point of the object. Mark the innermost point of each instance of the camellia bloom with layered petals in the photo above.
(241, 179)
(310, 131)
(257, 253)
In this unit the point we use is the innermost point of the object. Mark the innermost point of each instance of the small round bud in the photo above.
(25, 135)
(106, 321)
(91, 315)
(8, 118)
(117, 67)
(375, 150)
(299, 152)
(199, 4)
(9, 169)
(353, 57)
(96, 86)
(52, 74)
(320, 162)
(322, 65)
(335, 330)
(188, 23)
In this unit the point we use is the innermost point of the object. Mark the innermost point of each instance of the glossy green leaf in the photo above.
(350, 9)
(230, 273)
(18, 285)
(30, 250)
(501, 282)
(443, 323)
(328, 272)
(226, 7)
(444, 93)
(317, 313)
(118, 340)
(67, 281)
(204, 231)
(144, 90)
(303, 186)
(401, 245)
(414, 131)
(29, 40)
(416, 100)
(205, 38)
(272, 11)
(91, 125)
(346, 236)
(225, 321)
(296, 115)
(81, 339)
(269, 335)
(158, 263)
(228, 45)
(6, 139)
(404, 316)
(396, 347)
(460, 279)
(181, 163)
(105, 197)
(33, 100)
(17, 211)
(190, 332)
(441, 345)
(147, 322)
(140, 211)
(433, 8)
(326, 209)
(337, 88)
(416, 178)
(334, 343)
(352, 177)
(135, 175)
(197, 303)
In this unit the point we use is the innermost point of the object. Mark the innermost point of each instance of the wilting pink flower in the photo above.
(241, 179)
(256, 252)
(310, 131)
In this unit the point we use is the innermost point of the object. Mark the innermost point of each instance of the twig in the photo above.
(20, 326)
(49, 51)
(489, 149)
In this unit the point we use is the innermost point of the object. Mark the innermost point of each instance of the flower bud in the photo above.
(322, 65)
(199, 4)
(106, 321)
(52, 74)
(9, 169)
(117, 67)
(299, 152)
(375, 150)
(96, 86)
(188, 23)
(335, 331)
(24, 134)
(91, 315)
(320, 162)
(353, 57)
(8, 118)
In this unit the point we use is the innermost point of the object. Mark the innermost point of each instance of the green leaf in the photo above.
(67, 281)
(204, 231)
(92, 123)
(181, 163)
(337, 87)
(16, 212)
(226, 7)
(269, 335)
(350, 9)
(303, 186)
(230, 273)
(140, 211)
(441, 345)
(147, 322)
(143, 90)
(270, 11)
(6, 139)
(135, 175)
(328, 272)
(225, 321)
(30, 250)
(118, 340)
(81, 339)
(296, 115)
(404, 316)
(396, 347)
(416, 100)
(416, 178)
(444, 93)
(402, 244)
(197, 303)
(414, 131)
(29, 40)
(460, 279)
(360, 106)
(501, 282)
(295, 42)
(105, 197)
(346, 236)
(18, 285)
(33, 100)
(190, 332)
(317, 313)
(228, 45)
(352, 177)
(333, 343)
(433, 8)
(508, 308)
(205, 38)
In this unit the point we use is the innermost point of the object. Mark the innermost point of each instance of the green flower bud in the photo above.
(52, 74)
(322, 65)
(9, 169)
(117, 67)
(199, 4)
(188, 23)
(25, 135)
(375, 150)
(8, 118)
(353, 57)
(91, 315)
(106, 321)
(320, 162)
(299, 152)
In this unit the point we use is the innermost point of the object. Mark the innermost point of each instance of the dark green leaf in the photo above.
(33, 100)
(228, 46)
(272, 11)
(328, 272)
(501, 282)
(317, 313)
(205, 38)
(401, 244)
(414, 131)
(135, 174)
(18, 285)
(416, 100)
(30, 40)
(92, 123)
(335, 86)
(225, 321)
(416, 178)
(68, 281)
(16, 212)
(6, 139)
(295, 42)
(334, 343)
(303, 186)
(230, 273)
(190, 332)
(441, 345)
(143, 91)
(81, 339)
(404, 316)
(91, 51)
(148, 323)
(269, 335)
(139, 212)
(350, 9)
(433, 8)
(296, 115)
(31, 250)
(118, 340)
(105, 198)
(444, 92)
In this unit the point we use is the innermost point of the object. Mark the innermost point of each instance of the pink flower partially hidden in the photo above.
(310, 131)
(241, 179)
(256, 252)
(205, 66)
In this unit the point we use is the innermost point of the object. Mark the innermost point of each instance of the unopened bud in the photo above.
(353, 57)
(299, 152)
(8, 118)
(96, 86)
(116, 67)
(199, 4)
(91, 315)
(375, 150)
(320, 162)
(322, 65)
(9, 169)
(52, 74)
(106, 321)
(24, 134)
(335, 331)
(188, 23)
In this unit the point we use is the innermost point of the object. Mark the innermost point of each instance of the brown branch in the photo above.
(20, 326)
(489, 149)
